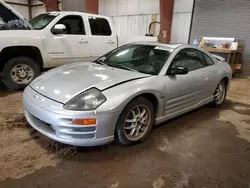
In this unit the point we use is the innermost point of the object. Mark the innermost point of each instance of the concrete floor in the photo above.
(205, 148)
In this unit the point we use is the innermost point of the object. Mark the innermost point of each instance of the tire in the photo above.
(142, 123)
(218, 102)
(11, 71)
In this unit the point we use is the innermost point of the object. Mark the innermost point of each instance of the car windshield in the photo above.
(42, 20)
(148, 59)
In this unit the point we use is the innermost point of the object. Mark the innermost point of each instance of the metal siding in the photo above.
(181, 21)
(128, 7)
(183, 6)
(180, 27)
(136, 25)
(73, 5)
(148, 6)
(227, 18)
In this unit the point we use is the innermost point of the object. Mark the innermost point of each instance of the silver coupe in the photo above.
(124, 93)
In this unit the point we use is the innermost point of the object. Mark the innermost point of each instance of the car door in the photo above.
(186, 91)
(102, 38)
(73, 45)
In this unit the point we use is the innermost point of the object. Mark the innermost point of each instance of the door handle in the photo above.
(110, 42)
(206, 77)
(83, 41)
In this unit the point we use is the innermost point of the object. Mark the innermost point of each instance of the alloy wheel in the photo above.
(220, 93)
(137, 122)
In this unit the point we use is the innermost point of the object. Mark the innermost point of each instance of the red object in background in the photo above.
(166, 12)
(51, 5)
(92, 6)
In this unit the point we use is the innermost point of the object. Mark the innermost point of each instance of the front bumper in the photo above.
(52, 120)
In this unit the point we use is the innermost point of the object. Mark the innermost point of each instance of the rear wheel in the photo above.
(19, 72)
(220, 94)
(135, 122)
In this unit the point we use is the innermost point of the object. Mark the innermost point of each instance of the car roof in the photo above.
(173, 46)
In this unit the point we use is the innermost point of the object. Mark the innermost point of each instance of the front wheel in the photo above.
(220, 94)
(19, 72)
(135, 122)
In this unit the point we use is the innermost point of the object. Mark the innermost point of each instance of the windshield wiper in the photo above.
(125, 67)
(100, 62)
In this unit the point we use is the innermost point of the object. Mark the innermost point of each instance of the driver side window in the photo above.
(189, 58)
(74, 25)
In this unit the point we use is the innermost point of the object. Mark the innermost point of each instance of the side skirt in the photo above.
(181, 112)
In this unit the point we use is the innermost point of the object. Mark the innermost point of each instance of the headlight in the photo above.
(88, 100)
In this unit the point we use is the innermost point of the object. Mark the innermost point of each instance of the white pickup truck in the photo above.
(50, 40)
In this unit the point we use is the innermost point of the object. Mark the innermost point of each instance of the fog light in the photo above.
(84, 121)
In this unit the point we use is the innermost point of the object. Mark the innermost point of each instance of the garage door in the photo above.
(224, 18)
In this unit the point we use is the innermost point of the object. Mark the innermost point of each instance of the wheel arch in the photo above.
(10, 52)
(226, 80)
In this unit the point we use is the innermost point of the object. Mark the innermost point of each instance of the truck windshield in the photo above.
(42, 20)
(9, 21)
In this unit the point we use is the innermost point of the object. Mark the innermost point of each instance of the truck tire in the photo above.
(19, 72)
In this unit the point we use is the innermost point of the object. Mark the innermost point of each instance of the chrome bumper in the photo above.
(52, 120)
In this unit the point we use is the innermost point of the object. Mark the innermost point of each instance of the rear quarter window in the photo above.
(99, 26)
(209, 61)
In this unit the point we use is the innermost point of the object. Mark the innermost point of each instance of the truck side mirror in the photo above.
(59, 29)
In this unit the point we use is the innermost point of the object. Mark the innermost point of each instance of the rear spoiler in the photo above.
(16, 13)
(219, 58)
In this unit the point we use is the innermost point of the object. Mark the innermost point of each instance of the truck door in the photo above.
(73, 46)
(102, 38)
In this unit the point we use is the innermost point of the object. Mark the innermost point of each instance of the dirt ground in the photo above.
(205, 148)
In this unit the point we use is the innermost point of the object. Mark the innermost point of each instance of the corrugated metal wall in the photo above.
(227, 18)
(134, 25)
(181, 21)
(131, 17)
(128, 7)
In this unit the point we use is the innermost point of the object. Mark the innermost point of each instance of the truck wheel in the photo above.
(19, 72)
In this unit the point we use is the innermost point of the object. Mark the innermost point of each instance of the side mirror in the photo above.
(177, 71)
(59, 29)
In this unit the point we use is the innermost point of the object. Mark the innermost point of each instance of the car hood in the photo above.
(63, 83)
(13, 11)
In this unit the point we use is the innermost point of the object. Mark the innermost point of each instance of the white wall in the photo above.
(131, 17)
(37, 9)
(23, 10)
(181, 21)
(134, 25)
(128, 7)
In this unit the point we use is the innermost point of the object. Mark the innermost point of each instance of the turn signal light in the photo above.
(84, 121)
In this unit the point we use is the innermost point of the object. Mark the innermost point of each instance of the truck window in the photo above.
(42, 20)
(74, 25)
(9, 21)
(99, 26)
